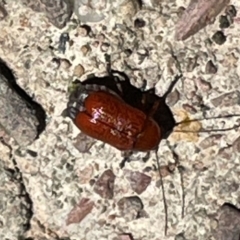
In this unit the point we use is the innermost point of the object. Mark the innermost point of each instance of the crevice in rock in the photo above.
(36, 107)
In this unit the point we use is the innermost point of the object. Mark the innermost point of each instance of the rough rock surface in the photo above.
(58, 178)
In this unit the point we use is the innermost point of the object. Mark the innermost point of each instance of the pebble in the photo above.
(85, 49)
(78, 70)
(219, 38)
(231, 11)
(224, 22)
(210, 68)
(65, 64)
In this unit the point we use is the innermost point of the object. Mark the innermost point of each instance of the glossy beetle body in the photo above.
(120, 114)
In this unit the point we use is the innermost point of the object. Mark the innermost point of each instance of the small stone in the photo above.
(128, 52)
(225, 152)
(80, 211)
(85, 174)
(128, 9)
(95, 44)
(189, 108)
(83, 143)
(105, 47)
(85, 49)
(65, 64)
(104, 186)
(173, 98)
(180, 236)
(230, 61)
(130, 207)
(92, 182)
(219, 38)
(191, 64)
(55, 63)
(126, 236)
(180, 11)
(231, 11)
(138, 181)
(213, 224)
(224, 22)
(210, 68)
(203, 85)
(84, 30)
(90, 11)
(27, 64)
(210, 141)
(158, 38)
(78, 70)
(139, 23)
(101, 37)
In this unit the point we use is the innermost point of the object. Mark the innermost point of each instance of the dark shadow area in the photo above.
(36, 108)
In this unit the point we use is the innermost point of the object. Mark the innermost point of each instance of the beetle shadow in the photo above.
(36, 108)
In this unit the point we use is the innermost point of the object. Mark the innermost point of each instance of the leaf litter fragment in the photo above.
(187, 130)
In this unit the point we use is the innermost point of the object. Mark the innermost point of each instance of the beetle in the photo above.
(116, 112)
(130, 119)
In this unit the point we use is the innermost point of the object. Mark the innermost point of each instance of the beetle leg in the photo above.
(144, 85)
(173, 83)
(146, 158)
(70, 112)
(108, 62)
(121, 74)
(111, 72)
(127, 156)
(125, 159)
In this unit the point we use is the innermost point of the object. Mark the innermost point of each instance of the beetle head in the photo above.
(78, 94)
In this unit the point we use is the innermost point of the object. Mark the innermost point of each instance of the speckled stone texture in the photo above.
(202, 170)
(15, 207)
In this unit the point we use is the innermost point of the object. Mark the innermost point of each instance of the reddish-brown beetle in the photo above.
(120, 114)
(123, 116)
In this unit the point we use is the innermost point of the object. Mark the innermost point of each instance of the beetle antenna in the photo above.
(109, 66)
(209, 118)
(172, 85)
(111, 71)
(181, 171)
(163, 193)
